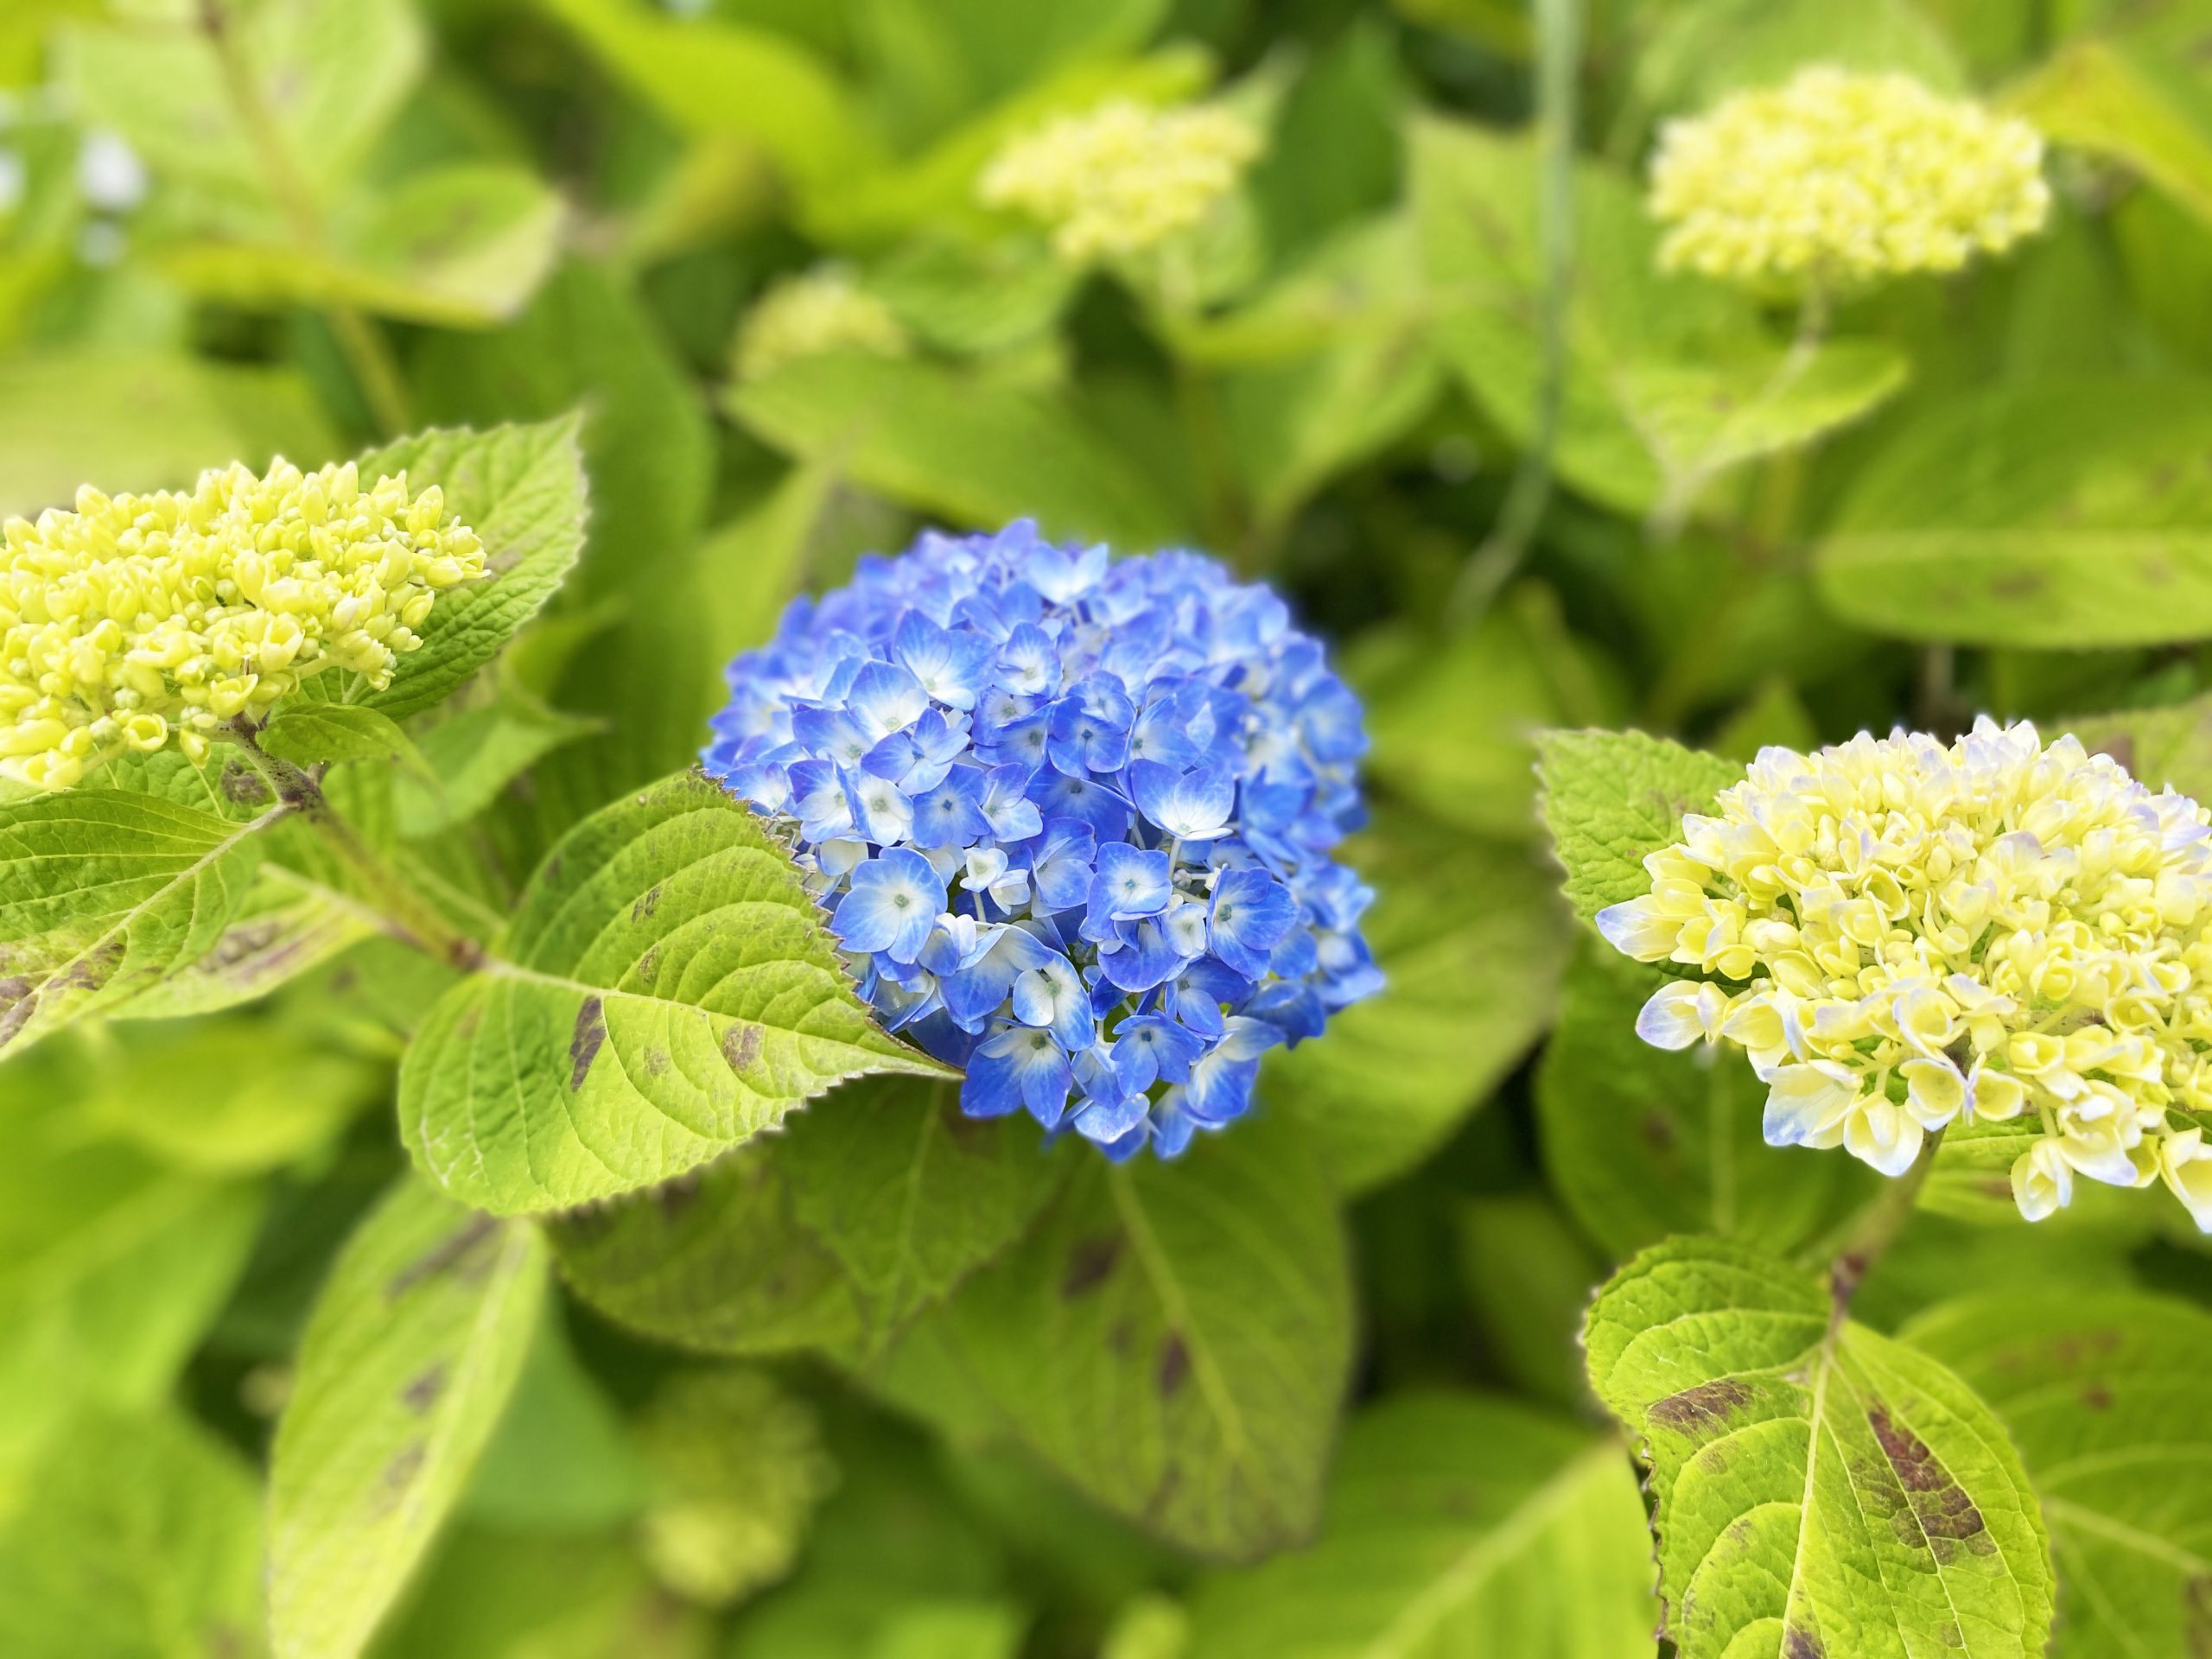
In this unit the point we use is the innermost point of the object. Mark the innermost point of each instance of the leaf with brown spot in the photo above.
(1797, 1457)
(409, 1355)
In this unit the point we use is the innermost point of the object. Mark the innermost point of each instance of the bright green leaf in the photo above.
(143, 1541)
(666, 990)
(1641, 1144)
(311, 731)
(409, 1358)
(1701, 52)
(981, 453)
(104, 894)
(1821, 1489)
(1472, 939)
(1456, 1524)
(2166, 748)
(1609, 798)
(469, 757)
(2131, 107)
(521, 489)
(2061, 514)
(286, 925)
(2101, 1393)
(561, 1461)
(1528, 1274)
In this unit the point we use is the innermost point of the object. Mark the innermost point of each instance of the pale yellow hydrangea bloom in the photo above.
(806, 316)
(135, 617)
(1909, 933)
(1124, 178)
(1835, 179)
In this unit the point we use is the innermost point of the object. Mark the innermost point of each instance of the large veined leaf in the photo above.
(875, 1202)
(666, 990)
(286, 925)
(2063, 514)
(1822, 1490)
(1472, 939)
(142, 1538)
(2138, 106)
(413, 1351)
(1610, 798)
(1640, 1144)
(979, 452)
(1456, 1524)
(104, 894)
(2103, 1395)
(521, 489)
(1174, 1339)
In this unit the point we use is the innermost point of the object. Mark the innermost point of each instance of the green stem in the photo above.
(1559, 50)
(366, 351)
(407, 915)
(1852, 1249)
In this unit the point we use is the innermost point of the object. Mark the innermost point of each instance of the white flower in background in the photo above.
(109, 176)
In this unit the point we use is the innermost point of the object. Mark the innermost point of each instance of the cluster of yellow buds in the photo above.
(1834, 180)
(1124, 178)
(805, 316)
(138, 617)
(1909, 933)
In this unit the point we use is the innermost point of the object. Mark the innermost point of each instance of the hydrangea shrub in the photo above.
(1072, 819)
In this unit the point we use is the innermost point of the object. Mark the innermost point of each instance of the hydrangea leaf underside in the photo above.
(666, 991)
(522, 490)
(410, 1355)
(104, 894)
(1822, 1490)
(1174, 1338)
(1611, 797)
(872, 1205)
(1453, 1521)
(2104, 1398)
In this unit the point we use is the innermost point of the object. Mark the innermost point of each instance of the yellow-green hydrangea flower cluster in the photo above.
(821, 312)
(137, 618)
(1835, 179)
(1124, 178)
(1903, 934)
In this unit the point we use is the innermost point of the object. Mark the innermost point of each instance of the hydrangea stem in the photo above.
(366, 351)
(1853, 1249)
(407, 916)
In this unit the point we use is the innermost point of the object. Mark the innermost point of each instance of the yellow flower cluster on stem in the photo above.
(809, 315)
(1835, 179)
(135, 619)
(1124, 178)
(1903, 933)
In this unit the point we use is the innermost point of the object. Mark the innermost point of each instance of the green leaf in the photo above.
(286, 925)
(110, 1266)
(2130, 106)
(135, 421)
(1640, 1143)
(2166, 748)
(2060, 514)
(795, 107)
(1703, 51)
(1609, 798)
(411, 1353)
(909, 1195)
(521, 489)
(1174, 1339)
(981, 453)
(104, 894)
(666, 991)
(1456, 1524)
(330, 75)
(457, 246)
(469, 757)
(1528, 1274)
(561, 1459)
(869, 1206)
(1820, 1488)
(143, 1541)
(228, 1097)
(312, 732)
(2102, 1394)
(1472, 940)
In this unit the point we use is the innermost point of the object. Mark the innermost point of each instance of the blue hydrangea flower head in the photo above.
(1071, 820)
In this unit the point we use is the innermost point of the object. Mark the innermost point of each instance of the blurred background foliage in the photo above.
(234, 227)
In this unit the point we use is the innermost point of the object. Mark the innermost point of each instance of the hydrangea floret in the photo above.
(822, 311)
(1072, 819)
(1121, 179)
(1903, 934)
(133, 619)
(1835, 179)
